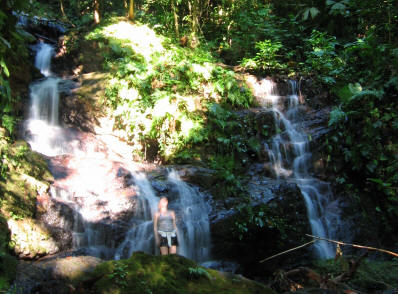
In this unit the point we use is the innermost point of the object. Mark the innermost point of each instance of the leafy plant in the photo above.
(266, 58)
(198, 272)
(257, 218)
(119, 275)
(323, 58)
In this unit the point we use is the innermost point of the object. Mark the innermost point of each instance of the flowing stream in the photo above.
(106, 204)
(290, 158)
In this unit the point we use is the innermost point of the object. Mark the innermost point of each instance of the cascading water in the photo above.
(43, 58)
(290, 158)
(44, 133)
(140, 237)
(194, 229)
(192, 221)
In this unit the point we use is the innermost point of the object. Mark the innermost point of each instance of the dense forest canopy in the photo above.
(348, 48)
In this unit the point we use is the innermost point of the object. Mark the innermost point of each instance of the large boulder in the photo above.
(55, 274)
(143, 273)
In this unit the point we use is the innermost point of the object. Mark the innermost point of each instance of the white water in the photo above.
(44, 132)
(194, 228)
(141, 236)
(43, 58)
(290, 158)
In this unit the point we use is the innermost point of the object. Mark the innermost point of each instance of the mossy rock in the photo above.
(25, 174)
(30, 239)
(7, 262)
(143, 273)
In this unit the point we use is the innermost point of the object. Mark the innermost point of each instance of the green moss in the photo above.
(24, 174)
(7, 262)
(143, 273)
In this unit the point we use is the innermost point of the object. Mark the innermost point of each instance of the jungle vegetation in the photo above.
(349, 48)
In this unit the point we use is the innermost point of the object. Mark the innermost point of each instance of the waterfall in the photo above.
(290, 158)
(191, 218)
(43, 58)
(141, 236)
(194, 230)
(43, 131)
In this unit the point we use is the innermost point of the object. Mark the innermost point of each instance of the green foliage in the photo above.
(364, 136)
(266, 57)
(161, 100)
(7, 262)
(227, 180)
(338, 7)
(368, 61)
(119, 275)
(251, 220)
(198, 272)
(322, 57)
(226, 85)
(308, 12)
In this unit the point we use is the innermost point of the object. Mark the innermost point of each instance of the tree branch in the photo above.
(301, 246)
(353, 245)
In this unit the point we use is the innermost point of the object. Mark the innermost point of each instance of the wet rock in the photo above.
(200, 176)
(41, 26)
(80, 105)
(315, 125)
(74, 113)
(160, 186)
(285, 225)
(59, 218)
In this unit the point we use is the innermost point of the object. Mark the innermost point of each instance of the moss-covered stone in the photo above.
(30, 239)
(143, 273)
(24, 175)
(7, 262)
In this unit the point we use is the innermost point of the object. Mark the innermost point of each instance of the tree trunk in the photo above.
(96, 11)
(194, 11)
(175, 12)
(131, 10)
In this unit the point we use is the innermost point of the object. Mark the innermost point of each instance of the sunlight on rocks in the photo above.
(30, 239)
(142, 39)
